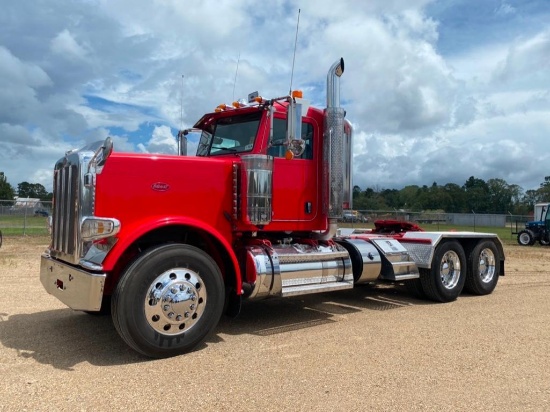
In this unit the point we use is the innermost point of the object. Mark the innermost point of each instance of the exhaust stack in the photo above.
(336, 148)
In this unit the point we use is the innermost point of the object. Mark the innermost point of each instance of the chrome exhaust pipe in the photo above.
(336, 167)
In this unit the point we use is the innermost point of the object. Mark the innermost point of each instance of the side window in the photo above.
(307, 135)
(279, 136)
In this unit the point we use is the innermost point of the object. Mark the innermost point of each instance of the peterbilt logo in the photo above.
(160, 186)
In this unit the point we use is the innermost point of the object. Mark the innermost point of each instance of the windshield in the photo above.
(232, 134)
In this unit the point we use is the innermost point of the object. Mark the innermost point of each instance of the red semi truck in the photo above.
(168, 243)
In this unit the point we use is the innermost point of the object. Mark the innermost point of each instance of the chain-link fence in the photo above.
(25, 216)
(503, 224)
(30, 217)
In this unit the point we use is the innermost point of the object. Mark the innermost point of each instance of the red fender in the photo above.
(138, 229)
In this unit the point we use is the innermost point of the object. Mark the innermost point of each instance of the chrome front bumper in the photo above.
(76, 288)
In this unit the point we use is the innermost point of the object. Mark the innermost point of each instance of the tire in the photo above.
(526, 238)
(445, 280)
(168, 300)
(415, 289)
(483, 268)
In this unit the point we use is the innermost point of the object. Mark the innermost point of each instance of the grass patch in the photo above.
(38, 226)
(23, 225)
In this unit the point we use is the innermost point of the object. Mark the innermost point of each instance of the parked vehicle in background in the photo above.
(536, 230)
(354, 216)
(41, 212)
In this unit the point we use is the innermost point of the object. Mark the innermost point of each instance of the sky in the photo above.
(437, 90)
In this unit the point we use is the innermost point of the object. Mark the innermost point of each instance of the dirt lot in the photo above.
(358, 350)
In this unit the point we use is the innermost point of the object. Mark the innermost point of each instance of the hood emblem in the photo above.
(160, 187)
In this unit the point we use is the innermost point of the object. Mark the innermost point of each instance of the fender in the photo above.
(138, 229)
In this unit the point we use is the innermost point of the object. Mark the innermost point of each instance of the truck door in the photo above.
(296, 181)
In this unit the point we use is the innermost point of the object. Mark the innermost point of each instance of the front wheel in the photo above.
(526, 238)
(168, 300)
(483, 268)
(445, 280)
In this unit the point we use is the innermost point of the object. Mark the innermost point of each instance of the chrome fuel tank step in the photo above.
(297, 269)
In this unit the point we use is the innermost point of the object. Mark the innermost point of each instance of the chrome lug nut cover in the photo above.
(175, 301)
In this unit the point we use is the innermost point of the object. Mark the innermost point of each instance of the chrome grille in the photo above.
(72, 201)
(66, 185)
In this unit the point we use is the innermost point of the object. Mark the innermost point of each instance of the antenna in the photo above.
(294, 56)
(181, 104)
(182, 140)
(236, 71)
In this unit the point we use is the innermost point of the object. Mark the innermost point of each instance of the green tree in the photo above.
(409, 198)
(493, 196)
(373, 200)
(358, 198)
(518, 206)
(434, 198)
(32, 190)
(391, 198)
(6, 190)
(500, 195)
(544, 190)
(529, 199)
(477, 195)
(456, 198)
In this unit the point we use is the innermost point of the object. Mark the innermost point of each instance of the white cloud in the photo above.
(162, 141)
(505, 9)
(77, 72)
(527, 63)
(66, 46)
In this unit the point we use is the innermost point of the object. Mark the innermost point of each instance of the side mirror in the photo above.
(295, 143)
(294, 120)
(182, 142)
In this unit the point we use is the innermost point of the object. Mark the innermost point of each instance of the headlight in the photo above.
(93, 228)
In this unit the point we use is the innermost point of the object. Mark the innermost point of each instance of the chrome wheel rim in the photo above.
(449, 269)
(175, 301)
(486, 266)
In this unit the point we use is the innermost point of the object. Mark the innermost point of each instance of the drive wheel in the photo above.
(483, 269)
(414, 287)
(526, 238)
(168, 300)
(445, 280)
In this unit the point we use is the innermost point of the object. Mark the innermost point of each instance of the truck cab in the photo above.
(243, 132)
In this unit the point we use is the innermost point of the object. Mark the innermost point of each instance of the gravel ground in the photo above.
(374, 349)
